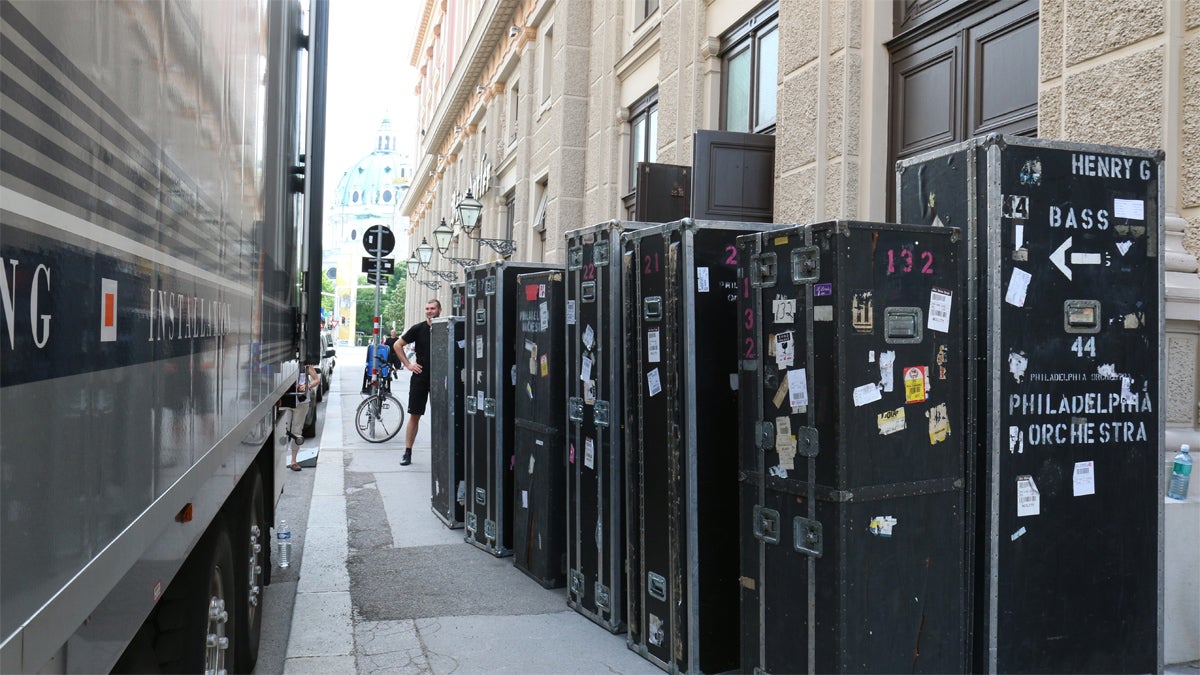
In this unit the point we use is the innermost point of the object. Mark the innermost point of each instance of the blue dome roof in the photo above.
(377, 181)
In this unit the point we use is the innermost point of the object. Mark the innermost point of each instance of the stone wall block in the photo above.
(795, 197)
(1189, 171)
(668, 108)
(834, 122)
(1050, 112)
(796, 133)
(1191, 16)
(1133, 120)
(1050, 39)
(1097, 28)
(799, 34)
(835, 187)
(836, 10)
(668, 47)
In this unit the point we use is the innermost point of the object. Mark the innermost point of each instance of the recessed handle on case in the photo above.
(652, 308)
(902, 325)
(656, 586)
(766, 525)
(588, 291)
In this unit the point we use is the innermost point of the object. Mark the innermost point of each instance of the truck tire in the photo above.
(200, 602)
(251, 565)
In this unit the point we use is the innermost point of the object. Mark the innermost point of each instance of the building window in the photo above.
(643, 139)
(547, 63)
(750, 72)
(644, 8)
(540, 197)
(510, 213)
(514, 112)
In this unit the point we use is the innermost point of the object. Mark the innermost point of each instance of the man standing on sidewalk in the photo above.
(418, 389)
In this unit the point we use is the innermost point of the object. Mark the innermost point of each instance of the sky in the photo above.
(370, 77)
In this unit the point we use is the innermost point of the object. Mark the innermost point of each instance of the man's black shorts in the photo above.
(418, 395)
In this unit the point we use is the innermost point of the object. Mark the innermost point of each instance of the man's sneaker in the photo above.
(407, 458)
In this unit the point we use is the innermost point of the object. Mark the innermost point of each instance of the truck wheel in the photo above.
(197, 615)
(251, 564)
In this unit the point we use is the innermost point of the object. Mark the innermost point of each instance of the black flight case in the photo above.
(680, 304)
(448, 489)
(595, 421)
(851, 452)
(1065, 324)
(490, 366)
(539, 511)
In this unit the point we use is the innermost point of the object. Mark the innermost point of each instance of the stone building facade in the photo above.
(542, 107)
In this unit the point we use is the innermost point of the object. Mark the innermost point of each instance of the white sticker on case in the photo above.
(653, 382)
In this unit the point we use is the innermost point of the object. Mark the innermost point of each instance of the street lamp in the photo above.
(468, 212)
(442, 235)
(414, 265)
(424, 251)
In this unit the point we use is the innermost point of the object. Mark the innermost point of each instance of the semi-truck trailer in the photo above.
(161, 169)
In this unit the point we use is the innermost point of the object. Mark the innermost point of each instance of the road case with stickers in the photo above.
(448, 489)
(851, 449)
(539, 516)
(595, 479)
(1065, 323)
(681, 434)
(490, 368)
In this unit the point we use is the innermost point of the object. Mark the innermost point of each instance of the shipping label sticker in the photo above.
(479, 400)
(881, 526)
(1018, 534)
(822, 290)
(778, 471)
(532, 461)
(891, 421)
(1029, 500)
(533, 357)
(939, 423)
(797, 388)
(1083, 480)
(653, 382)
(589, 453)
(531, 292)
(781, 393)
(652, 346)
(570, 312)
(585, 369)
(784, 309)
(943, 357)
(887, 376)
(702, 279)
(524, 499)
(1017, 363)
(1129, 209)
(655, 634)
(780, 241)
(541, 290)
(1017, 286)
(589, 336)
(785, 447)
(868, 393)
(914, 384)
(939, 310)
(862, 311)
(783, 427)
(785, 349)
(544, 316)
(545, 365)
(822, 312)
(589, 392)
(479, 346)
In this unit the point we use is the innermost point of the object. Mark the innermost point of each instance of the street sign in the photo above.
(377, 280)
(378, 239)
(387, 265)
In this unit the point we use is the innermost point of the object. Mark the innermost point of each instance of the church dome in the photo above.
(378, 181)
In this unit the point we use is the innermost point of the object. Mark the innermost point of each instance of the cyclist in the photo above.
(418, 390)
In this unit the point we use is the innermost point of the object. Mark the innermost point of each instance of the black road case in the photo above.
(680, 305)
(448, 489)
(490, 367)
(1066, 325)
(851, 450)
(595, 420)
(539, 509)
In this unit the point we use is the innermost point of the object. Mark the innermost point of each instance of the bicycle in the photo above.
(380, 416)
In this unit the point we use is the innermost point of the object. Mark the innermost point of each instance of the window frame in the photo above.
(646, 108)
(747, 35)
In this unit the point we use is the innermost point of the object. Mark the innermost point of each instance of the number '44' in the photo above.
(1079, 347)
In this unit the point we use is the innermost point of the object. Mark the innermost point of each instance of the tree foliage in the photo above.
(391, 302)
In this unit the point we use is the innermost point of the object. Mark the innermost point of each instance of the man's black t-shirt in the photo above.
(418, 337)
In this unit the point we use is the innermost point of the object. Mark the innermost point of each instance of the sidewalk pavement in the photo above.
(385, 587)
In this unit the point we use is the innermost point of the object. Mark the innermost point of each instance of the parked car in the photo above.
(325, 367)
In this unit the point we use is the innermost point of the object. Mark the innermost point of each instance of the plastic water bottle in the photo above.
(283, 540)
(1181, 472)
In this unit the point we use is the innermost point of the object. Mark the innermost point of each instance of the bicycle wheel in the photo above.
(379, 418)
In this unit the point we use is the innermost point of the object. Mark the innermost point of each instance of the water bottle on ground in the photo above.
(283, 539)
(1181, 472)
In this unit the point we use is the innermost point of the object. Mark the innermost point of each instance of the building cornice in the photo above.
(422, 27)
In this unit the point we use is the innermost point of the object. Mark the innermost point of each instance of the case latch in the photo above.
(470, 404)
(600, 253)
(807, 441)
(806, 264)
(764, 435)
(472, 524)
(576, 582)
(602, 597)
(489, 286)
(489, 529)
(575, 409)
(656, 586)
(574, 258)
(600, 413)
(471, 287)
(766, 525)
(764, 268)
(489, 407)
(807, 536)
(481, 496)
